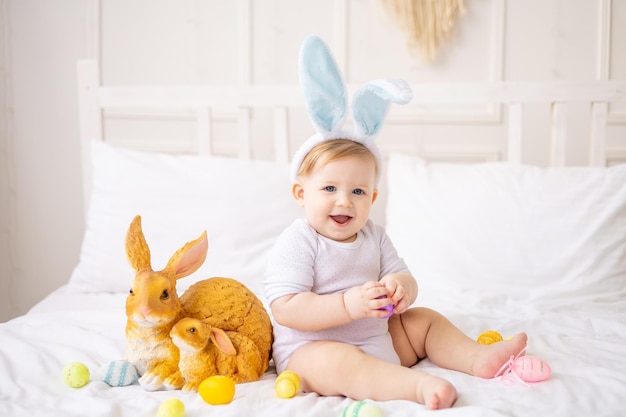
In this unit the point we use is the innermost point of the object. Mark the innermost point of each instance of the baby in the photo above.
(328, 281)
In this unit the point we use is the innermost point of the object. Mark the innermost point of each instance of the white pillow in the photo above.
(243, 206)
(510, 233)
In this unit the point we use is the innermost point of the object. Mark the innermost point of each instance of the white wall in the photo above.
(41, 168)
(256, 41)
(6, 308)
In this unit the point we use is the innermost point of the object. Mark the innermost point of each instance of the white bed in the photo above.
(499, 246)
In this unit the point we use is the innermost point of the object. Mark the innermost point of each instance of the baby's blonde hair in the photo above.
(332, 150)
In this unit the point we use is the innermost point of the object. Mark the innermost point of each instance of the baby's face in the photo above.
(337, 197)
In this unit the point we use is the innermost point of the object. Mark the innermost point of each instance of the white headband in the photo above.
(326, 104)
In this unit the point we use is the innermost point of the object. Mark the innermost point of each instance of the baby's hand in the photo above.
(366, 301)
(402, 289)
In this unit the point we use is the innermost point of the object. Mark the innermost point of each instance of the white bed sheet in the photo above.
(575, 317)
(584, 344)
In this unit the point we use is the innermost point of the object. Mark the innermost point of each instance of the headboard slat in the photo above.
(281, 134)
(514, 134)
(518, 92)
(597, 136)
(204, 130)
(558, 137)
(90, 118)
(243, 133)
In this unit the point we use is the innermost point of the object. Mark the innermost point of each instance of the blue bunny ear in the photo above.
(323, 87)
(372, 100)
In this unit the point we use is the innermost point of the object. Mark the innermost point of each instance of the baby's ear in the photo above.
(297, 190)
(374, 195)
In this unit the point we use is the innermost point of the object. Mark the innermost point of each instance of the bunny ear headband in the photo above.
(326, 104)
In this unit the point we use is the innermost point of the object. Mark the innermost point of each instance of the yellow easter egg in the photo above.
(172, 407)
(76, 374)
(287, 384)
(217, 389)
(489, 337)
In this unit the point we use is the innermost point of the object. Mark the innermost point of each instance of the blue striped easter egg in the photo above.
(119, 373)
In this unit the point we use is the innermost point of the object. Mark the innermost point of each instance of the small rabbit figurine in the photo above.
(153, 307)
(206, 351)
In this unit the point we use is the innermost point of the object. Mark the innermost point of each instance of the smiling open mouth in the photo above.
(341, 219)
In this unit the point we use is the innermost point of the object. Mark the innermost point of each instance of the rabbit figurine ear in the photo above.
(187, 259)
(371, 102)
(137, 250)
(323, 87)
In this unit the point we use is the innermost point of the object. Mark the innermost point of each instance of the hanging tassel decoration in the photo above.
(428, 23)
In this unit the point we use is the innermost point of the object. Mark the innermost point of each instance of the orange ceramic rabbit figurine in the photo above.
(153, 307)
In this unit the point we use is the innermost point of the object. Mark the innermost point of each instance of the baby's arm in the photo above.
(311, 312)
(402, 288)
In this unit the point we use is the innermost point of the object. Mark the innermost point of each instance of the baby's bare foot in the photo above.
(491, 357)
(436, 393)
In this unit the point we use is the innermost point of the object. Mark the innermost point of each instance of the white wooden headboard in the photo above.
(202, 101)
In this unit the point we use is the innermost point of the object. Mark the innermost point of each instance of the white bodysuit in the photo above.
(302, 260)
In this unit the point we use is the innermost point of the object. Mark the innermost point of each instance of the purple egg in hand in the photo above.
(388, 307)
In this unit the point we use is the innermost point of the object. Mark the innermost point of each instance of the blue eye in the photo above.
(330, 188)
(358, 191)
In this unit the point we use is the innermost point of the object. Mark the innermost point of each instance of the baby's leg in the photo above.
(333, 368)
(420, 332)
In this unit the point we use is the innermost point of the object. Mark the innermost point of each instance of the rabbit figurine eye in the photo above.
(192, 330)
(165, 295)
